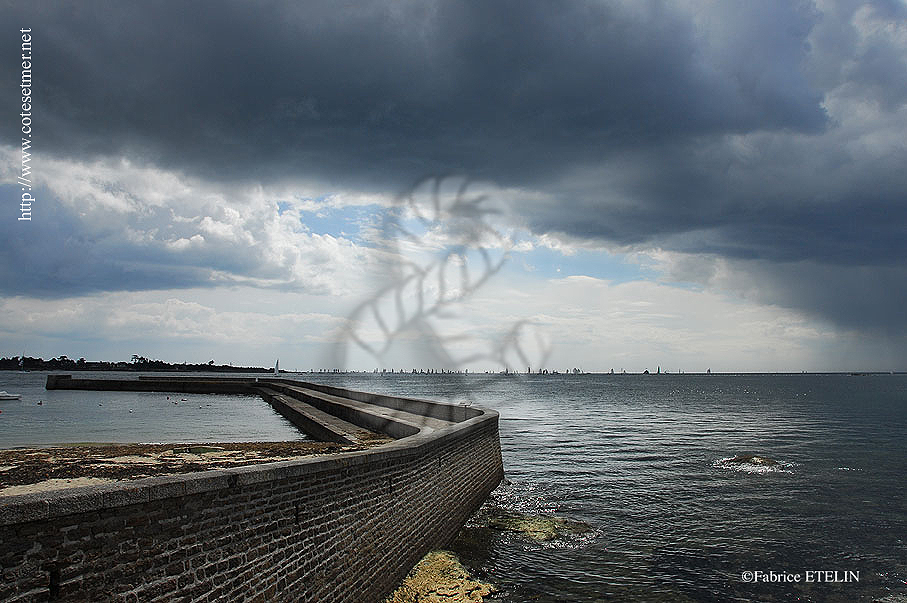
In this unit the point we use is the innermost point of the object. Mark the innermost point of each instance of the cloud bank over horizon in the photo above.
(750, 152)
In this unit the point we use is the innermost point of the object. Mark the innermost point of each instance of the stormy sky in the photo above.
(682, 184)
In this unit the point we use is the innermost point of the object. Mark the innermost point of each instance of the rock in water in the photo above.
(541, 528)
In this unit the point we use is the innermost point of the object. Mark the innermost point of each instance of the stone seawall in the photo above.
(342, 528)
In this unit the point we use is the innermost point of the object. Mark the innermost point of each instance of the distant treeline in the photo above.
(138, 363)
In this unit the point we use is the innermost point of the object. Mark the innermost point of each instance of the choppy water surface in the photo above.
(640, 459)
(66, 416)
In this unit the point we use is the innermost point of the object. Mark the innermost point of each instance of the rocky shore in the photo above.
(28, 470)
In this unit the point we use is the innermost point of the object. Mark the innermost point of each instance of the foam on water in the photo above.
(731, 464)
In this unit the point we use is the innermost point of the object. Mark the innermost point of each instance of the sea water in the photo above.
(49, 417)
(642, 460)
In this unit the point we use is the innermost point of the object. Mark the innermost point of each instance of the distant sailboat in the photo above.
(277, 367)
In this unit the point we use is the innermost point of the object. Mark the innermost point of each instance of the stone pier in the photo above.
(344, 527)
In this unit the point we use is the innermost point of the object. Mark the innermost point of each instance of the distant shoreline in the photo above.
(141, 365)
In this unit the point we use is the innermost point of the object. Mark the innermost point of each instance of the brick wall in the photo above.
(342, 528)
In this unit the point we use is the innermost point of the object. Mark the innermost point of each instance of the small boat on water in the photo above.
(4, 395)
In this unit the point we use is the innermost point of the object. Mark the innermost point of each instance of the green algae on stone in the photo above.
(439, 577)
(540, 528)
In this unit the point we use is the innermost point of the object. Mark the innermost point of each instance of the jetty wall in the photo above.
(343, 528)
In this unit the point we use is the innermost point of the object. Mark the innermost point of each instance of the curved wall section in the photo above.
(342, 528)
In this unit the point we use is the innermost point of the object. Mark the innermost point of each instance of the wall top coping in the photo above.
(58, 503)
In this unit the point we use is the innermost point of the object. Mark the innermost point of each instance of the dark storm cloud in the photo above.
(704, 130)
(860, 297)
(777, 200)
(387, 91)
